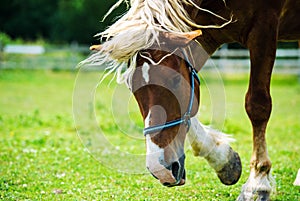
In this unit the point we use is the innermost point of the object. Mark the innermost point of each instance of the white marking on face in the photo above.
(147, 119)
(154, 161)
(145, 72)
(152, 148)
(155, 157)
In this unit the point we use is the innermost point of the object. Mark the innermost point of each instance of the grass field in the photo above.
(42, 158)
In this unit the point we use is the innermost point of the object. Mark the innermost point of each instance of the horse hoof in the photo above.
(231, 172)
(259, 195)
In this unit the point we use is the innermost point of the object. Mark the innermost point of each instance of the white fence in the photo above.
(233, 61)
(24, 49)
(225, 60)
(39, 57)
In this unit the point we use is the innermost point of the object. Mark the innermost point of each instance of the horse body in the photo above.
(250, 17)
(161, 83)
(258, 26)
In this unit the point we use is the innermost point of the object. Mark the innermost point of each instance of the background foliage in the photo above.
(61, 21)
(55, 20)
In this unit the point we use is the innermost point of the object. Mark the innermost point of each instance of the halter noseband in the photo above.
(186, 119)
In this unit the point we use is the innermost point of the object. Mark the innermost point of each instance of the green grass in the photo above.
(42, 158)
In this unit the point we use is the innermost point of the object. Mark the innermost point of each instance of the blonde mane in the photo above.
(138, 29)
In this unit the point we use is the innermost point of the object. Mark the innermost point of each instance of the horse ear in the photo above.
(95, 48)
(182, 39)
(177, 39)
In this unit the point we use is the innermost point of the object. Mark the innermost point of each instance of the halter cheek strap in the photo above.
(186, 119)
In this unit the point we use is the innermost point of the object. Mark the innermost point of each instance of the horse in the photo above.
(153, 40)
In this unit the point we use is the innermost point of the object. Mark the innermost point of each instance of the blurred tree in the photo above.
(28, 20)
(55, 20)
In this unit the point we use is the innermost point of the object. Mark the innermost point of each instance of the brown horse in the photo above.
(154, 36)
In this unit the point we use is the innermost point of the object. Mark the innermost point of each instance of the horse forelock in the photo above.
(138, 30)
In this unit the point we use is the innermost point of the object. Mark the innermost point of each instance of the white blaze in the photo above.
(147, 119)
(145, 72)
(152, 148)
(155, 158)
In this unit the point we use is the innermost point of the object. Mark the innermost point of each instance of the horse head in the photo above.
(166, 87)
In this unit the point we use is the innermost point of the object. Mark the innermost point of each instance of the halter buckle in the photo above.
(187, 120)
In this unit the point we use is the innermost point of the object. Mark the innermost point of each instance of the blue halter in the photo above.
(186, 119)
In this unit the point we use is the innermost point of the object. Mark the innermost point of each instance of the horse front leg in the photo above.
(214, 147)
(262, 45)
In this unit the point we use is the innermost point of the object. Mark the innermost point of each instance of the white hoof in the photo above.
(257, 188)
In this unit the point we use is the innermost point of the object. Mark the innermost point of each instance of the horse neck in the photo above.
(193, 12)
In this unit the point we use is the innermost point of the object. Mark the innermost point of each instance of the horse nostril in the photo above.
(176, 170)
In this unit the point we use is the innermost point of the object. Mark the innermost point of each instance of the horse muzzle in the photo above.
(178, 172)
(171, 175)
